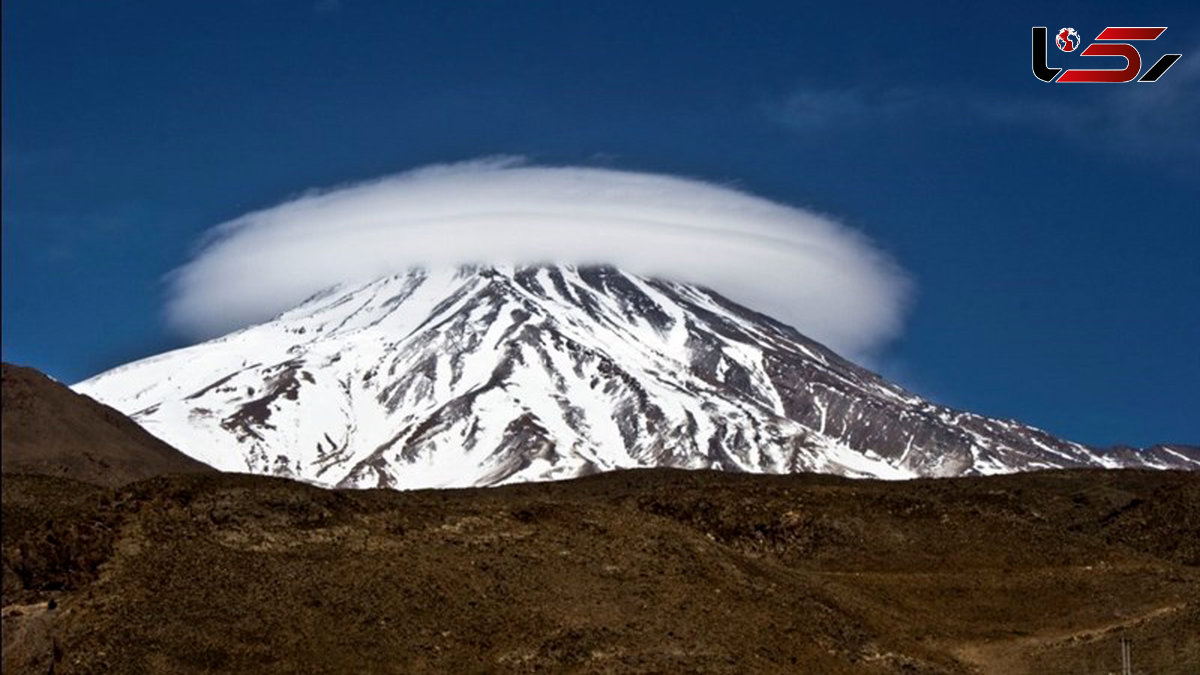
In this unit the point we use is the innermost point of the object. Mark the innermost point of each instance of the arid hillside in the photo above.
(644, 571)
(49, 429)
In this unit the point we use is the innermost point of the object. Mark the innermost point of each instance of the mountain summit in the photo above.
(493, 374)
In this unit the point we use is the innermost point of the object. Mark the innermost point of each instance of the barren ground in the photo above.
(645, 571)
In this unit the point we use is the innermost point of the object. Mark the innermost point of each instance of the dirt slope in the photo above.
(49, 429)
(647, 571)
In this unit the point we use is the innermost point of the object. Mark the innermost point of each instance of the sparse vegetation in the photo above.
(634, 571)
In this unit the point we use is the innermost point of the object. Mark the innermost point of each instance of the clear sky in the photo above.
(1052, 231)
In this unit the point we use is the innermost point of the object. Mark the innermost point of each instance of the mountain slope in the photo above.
(49, 429)
(485, 375)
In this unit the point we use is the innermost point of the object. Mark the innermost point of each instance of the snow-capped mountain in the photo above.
(487, 375)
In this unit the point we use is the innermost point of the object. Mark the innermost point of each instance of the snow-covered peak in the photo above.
(490, 374)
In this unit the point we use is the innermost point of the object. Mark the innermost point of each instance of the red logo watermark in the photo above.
(1112, 41)
(1067, 39)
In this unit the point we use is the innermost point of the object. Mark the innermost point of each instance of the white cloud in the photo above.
(806, 269)
(811, 109)
(1158, 120)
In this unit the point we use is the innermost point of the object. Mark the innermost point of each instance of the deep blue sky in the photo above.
(1053, 231)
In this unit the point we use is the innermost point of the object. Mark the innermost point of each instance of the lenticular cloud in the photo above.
(802, 268)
